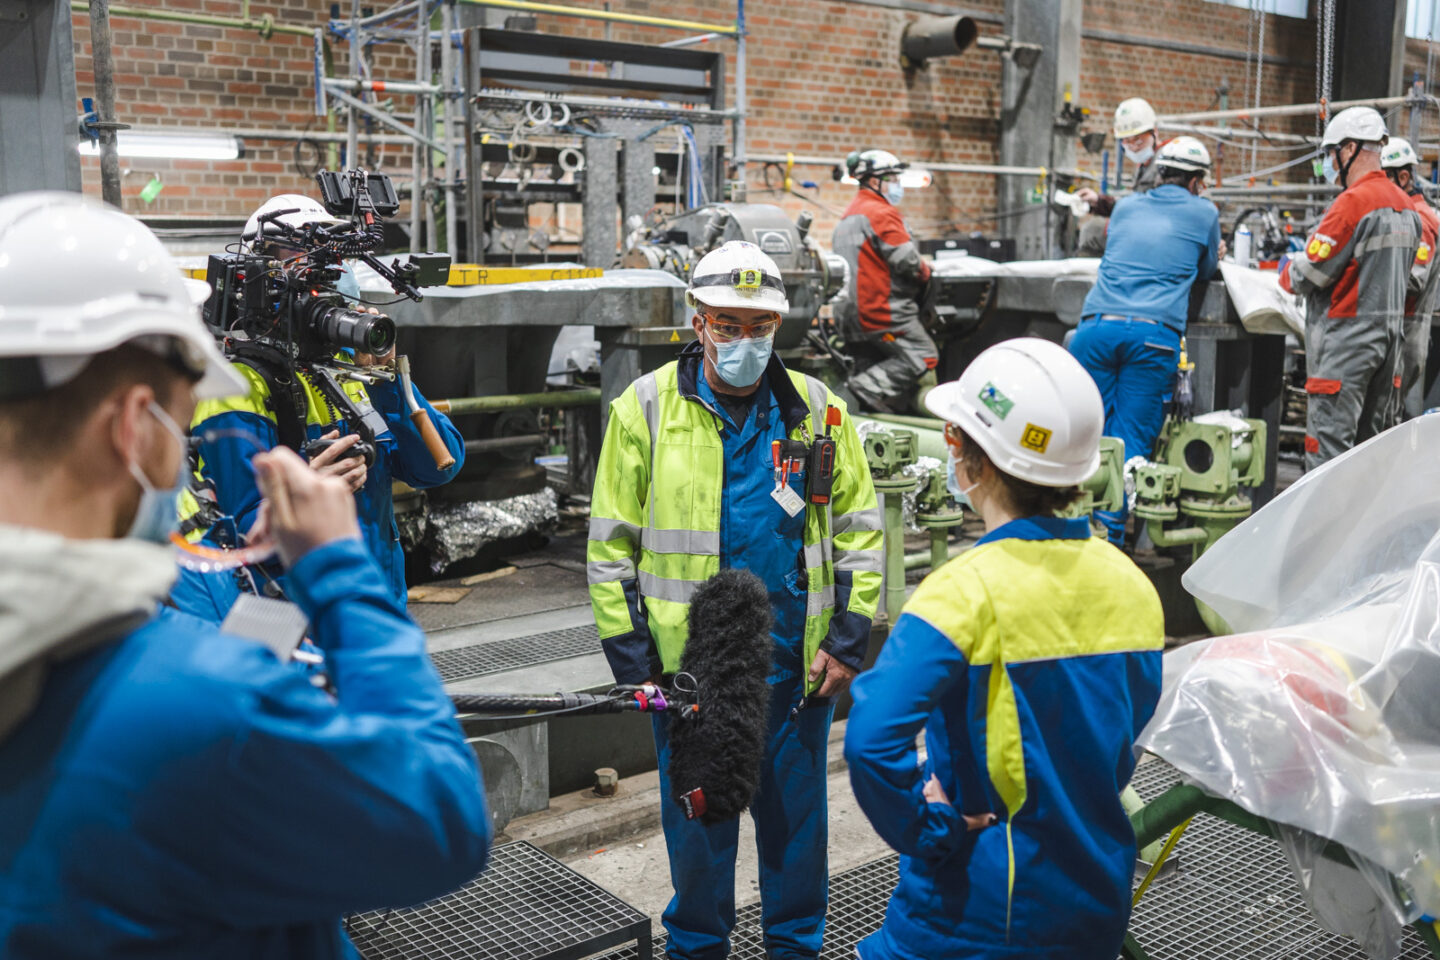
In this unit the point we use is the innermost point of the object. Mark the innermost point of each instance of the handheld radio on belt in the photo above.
(821, 467)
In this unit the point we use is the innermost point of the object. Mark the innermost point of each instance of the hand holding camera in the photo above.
(344, 458)
(303, 508)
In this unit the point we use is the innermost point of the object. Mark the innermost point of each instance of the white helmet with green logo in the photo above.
(1134, 117)
(1031, 407)
(1398, 154)
(1184, 153)
(737, 274)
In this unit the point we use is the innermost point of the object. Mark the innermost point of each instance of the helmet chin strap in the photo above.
(1345, 170)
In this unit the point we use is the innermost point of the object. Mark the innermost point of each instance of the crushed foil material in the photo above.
(451, 532)
(920, 470)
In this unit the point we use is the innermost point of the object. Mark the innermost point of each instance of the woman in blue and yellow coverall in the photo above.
(1032, 661)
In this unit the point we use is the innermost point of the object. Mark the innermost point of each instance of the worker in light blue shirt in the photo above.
(1159, 244)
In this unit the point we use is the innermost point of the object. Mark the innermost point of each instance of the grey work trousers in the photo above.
(1353, 382)
(907, 353)
(1414, 349)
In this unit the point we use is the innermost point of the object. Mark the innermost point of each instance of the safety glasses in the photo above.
(725, 331)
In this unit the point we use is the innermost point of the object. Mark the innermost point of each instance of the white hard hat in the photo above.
(1031, 407)
(306, 210)
(1398, 153)
(1184, 153)
(873, 163)
(1356, 123)
(78, 278)
(738, 274)
(1133, 117)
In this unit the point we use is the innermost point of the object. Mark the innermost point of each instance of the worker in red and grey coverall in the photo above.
(1399, 161)
(886, 282)
(1354, 273)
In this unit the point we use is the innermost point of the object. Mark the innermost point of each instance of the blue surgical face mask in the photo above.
(740, 363)
(157, 515)
(894, 191)
(1328, 168)
(959, 494)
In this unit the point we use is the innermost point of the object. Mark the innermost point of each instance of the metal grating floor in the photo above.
(525, 906)
(496, 656)
(1233, 896)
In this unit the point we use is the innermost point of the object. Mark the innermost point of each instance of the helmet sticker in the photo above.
(999, 404)
(1035, 438)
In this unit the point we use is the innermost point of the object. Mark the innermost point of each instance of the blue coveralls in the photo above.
(1134, 317)
(789, 808)
(179, 793)
(1079, 631)
(239, 434)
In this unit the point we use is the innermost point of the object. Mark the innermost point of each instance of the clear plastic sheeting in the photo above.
(1322, 713)
(451, 532)
(1262, 306)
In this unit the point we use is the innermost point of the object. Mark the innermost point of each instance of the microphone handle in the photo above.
(519, 703)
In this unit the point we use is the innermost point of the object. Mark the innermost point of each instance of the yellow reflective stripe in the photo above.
(694, 542)
(603, 571)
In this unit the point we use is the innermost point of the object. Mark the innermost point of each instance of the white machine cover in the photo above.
(1322, 712)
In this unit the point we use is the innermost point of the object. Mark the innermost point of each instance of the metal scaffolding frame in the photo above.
(411, 22)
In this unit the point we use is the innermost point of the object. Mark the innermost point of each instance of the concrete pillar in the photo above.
(600, 244)
(38, 105)
(1032, 102)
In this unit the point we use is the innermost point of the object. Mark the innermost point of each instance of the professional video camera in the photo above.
(292, 300)
(277, 310)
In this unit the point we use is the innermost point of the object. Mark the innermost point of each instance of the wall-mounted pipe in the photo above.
(265, 25)
(610, 15)
(1287, 110)
(931, 37)
(554, 400)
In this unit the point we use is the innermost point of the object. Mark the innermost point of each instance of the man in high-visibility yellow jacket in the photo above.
(686, 486)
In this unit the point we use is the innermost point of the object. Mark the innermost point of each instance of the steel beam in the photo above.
(1032, 101)
(38, 127)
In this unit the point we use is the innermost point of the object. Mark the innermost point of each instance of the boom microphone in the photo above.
(715, 754)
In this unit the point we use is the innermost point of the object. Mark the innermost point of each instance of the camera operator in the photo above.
(166, 790)
(232, 431)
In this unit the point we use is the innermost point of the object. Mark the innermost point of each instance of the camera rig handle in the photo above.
(421, 418)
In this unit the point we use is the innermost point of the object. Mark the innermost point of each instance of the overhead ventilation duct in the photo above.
(929, 38)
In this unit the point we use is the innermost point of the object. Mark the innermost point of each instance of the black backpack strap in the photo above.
(287, 395)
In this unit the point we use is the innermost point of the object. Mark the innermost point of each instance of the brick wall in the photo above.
(823, 79)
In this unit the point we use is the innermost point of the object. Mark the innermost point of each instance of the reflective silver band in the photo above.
(608, 571)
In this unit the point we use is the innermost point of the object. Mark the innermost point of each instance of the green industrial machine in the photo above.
(1191, 495)
(889, 452)
(1105, 490)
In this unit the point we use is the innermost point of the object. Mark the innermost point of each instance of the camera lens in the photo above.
(371, 333)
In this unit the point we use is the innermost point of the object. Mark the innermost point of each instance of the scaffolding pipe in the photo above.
(452, 155)
(265, 25)
(689, 41)
(1288, 110)
(385, 118)
(381, 86)
(610, 15)
(352, 115)
(738, 156)
(103, 59)
(940, 167)
(1276, 190)
(417, 159)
